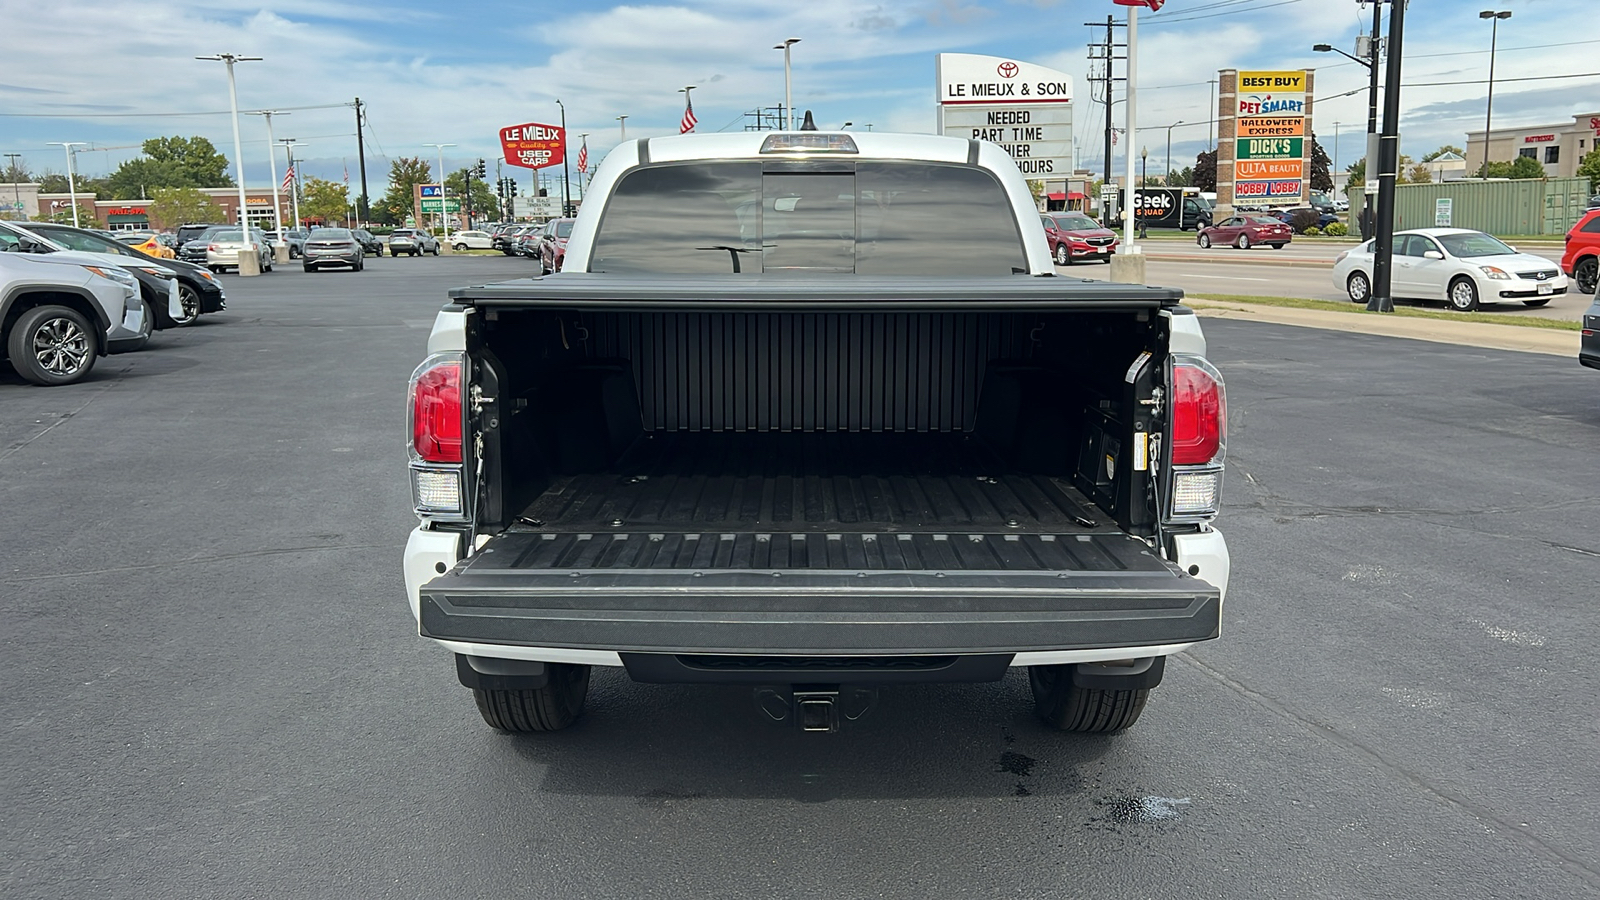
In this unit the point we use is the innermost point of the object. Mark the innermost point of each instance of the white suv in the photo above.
(57, 315)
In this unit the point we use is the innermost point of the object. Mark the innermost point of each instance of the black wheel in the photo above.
(267, 266)
(1358, 287)
(1067, 707)
(1243, 243)
(1536, 303)
(360, 265)
(435, 249)
(1063, 258)
(550, 708)
(51, 345)
(189, 303)
(1204, 241)
(461, 248)
(309, 268)
(1587, 273)
(1277, 246)
(215, 270)
(1463, 296)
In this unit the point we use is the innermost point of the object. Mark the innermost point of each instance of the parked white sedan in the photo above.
(471, 240)
(1464, 268)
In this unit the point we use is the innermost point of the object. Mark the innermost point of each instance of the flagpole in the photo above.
(689, 120)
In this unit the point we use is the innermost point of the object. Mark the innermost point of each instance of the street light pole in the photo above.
(238, 148)
(440, 148)
(1167, 180)
(1488, 112)
(566, 171)
(72, 184)
(1128, 245)
(1388, 168)
(788, 83)
(622, 123)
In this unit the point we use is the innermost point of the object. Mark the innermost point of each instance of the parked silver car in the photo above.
(333, 247)
(223, 250)
(58, 314)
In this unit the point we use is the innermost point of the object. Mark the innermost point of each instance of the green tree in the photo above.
(1589, 167)
(325, 200)
(170, 207)
(196, 157)
(1447, 148)
(1526, 167)
(1321, 179)
(1356, 180)
(15, 172)
(484, 203)
(1417, 174)
(1183, 177)
(405, 173)
(1205, 171)
(140, 177)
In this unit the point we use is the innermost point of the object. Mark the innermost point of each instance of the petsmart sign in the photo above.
(1025, 108)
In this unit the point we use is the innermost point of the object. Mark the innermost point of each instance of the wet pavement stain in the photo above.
(1015, 764)
(1022, 791)
(1138, 810)
(661, 799)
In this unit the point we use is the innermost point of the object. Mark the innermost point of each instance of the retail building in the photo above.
(1559, 147)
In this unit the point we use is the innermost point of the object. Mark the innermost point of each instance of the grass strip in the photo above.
(1409, 312)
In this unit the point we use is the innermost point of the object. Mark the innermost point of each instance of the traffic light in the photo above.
(483, 170)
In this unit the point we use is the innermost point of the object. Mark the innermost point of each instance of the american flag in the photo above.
(288, 179)
(689, 120)
(583, 159)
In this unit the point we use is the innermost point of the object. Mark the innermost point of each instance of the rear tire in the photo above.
(1243, 243)
(1067, 707)
(1358, 287)
(550, 708)
(461, 248)
(58, 333)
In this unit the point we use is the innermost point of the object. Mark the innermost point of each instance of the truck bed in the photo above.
(744, 543)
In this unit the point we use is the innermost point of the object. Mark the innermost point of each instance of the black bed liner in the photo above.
(739, 544)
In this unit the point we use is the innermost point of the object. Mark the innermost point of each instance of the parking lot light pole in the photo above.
(788, 82)
(272, 166)
(1488, 111)
(72, 186)
(229, 59)
(440, 148)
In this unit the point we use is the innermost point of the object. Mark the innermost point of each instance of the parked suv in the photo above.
(56, 314)
(199, 290)
(154, 280)
(413, 242)
(1582, 257)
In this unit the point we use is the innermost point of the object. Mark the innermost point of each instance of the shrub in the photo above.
(1336, 229)
(1313, 231)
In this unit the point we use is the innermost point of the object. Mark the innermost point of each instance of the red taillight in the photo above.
(1199, 415)
(436, 413)
(211, 247)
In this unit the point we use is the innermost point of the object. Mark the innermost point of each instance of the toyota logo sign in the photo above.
(1007, 69)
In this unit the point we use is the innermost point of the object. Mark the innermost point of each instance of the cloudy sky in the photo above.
(116, 73)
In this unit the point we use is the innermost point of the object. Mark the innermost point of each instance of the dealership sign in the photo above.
(1023, 107)
(533, 146)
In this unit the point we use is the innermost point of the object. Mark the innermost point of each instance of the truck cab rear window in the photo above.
(883, 218)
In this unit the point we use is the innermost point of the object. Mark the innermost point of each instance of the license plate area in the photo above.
(1546, 287)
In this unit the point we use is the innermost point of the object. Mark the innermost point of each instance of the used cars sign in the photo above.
(533, 146)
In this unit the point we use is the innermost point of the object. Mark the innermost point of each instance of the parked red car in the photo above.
(1582, 257)
(1245, 232)
(1074, 236)
(553, 244)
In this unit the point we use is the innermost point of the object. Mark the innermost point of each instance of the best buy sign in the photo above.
(1270, 148)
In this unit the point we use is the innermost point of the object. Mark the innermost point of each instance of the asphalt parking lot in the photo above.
(212, 685)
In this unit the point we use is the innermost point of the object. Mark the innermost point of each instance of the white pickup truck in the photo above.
(813, 412)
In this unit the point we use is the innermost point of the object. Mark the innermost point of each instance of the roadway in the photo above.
(213, 687)
(1302, 270)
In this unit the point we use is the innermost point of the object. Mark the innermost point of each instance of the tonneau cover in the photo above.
(778, 292)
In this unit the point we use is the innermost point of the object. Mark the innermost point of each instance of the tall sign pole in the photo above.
(1388, 167)
(1128, 246)
(566, 170)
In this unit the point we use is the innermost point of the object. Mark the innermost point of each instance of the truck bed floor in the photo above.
(815, 501)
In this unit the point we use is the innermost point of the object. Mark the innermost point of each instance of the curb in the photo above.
(1472, 334)
(1265, 261)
